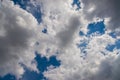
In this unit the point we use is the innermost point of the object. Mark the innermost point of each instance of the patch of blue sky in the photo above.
(32, 75)
(117, 43)
(33, 9)
(22, 3)
(82, 45)
(43, 62)
(81, 33)
(76, 3)
(111, 47)
(44, 30)
(113, 34)
(98, 28)
(8, 77)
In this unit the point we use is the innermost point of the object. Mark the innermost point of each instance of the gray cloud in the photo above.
(16, 37)
(108, 70)
(15, 40)
(72, 66)
(103, 9)
(66, 36)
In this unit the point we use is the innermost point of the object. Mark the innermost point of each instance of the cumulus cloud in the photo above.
(108, 70)
(17, 31)
(63, 23)
(75, 67)
(66, 36)
(103, 9)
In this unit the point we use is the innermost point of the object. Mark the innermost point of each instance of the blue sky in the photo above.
(43, 62)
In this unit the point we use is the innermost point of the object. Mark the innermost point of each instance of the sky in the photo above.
(59, 40)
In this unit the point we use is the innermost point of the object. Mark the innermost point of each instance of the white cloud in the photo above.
(16, 39)
(60, 19)
(63, 23)
(57, 17)
(74, 67)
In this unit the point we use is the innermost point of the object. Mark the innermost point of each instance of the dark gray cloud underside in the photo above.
(66, 36)
(104, 8)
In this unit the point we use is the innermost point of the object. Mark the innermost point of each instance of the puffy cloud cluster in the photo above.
(17, 31)
(75, 67)
(107, 70)
(103, 9)
(63, 23)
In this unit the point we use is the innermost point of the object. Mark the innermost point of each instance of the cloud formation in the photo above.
(17, 31)
(108, 70)
(103, 9)
(66, 36)
(63, 23)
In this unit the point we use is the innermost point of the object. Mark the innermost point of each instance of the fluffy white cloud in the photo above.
(63, 23)
(75, 67)
(17, 31)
